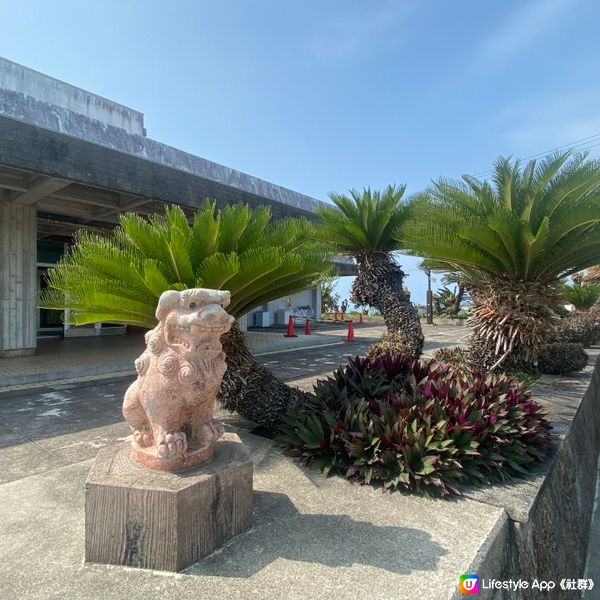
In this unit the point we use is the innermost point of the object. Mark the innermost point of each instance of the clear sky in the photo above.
(326, 95)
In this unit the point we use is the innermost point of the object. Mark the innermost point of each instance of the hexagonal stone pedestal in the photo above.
(159, 520)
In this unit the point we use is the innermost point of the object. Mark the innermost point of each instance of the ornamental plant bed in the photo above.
(418, 426)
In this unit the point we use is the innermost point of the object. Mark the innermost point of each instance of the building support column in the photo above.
(317, 301)
(18, 279)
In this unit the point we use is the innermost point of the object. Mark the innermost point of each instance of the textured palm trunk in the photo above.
(510, 323)
(249, 388)
(458, 299)
(379, 284)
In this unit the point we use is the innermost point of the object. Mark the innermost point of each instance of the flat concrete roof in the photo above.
(54, 129)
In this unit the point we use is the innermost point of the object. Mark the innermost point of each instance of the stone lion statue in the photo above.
(170, 406)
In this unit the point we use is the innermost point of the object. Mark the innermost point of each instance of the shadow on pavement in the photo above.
(281, 531)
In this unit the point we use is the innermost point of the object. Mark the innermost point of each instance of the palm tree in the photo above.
(582, 296)
(118, 279)
(362, 226)
(446, 302)
(512, 241)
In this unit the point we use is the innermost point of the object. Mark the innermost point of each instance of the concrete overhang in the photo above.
(344, 266)
(34, 150)
(56, 137)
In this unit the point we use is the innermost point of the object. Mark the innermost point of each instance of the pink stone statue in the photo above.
(170, 406)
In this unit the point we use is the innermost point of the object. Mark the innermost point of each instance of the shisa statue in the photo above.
(170, 406)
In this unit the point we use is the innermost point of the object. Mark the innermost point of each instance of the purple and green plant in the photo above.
(417, 426)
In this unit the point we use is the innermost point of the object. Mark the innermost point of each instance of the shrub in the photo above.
(456, 357)
(560, 358)
(391, 345)
(578, 329)
(582, 296)
(418, 426)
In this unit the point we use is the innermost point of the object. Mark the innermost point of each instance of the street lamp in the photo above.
(429, 299)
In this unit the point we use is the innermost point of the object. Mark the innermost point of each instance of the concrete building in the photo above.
(70, 159)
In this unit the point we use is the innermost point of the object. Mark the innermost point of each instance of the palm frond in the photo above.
(117, 278)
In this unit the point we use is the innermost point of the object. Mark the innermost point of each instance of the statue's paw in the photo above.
(171, 444)
(142, 438)
(212, 430)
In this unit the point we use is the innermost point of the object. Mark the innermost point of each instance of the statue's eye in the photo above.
(192, 305)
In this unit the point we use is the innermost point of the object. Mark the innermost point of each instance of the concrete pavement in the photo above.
(312, 537)
(97, 358)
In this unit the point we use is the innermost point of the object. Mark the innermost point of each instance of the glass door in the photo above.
(50, 322)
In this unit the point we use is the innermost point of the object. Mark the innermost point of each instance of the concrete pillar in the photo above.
(18, 279)
(317, 307)
(243, 323)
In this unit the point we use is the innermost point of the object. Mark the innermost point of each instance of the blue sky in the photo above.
(326, 95)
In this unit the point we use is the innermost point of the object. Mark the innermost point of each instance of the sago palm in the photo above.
(446, 302)
(582, 296)
(512, 241)
(362, 226)
(592, 276)
(118, 279)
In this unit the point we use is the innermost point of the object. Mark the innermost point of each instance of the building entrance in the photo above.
(49, 321)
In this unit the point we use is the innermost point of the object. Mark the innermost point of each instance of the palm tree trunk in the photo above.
(379, 284)
(458, 298)
(510, 323)
(249, 388)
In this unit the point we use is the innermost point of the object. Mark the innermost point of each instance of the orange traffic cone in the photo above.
(307, 327)
(290, 329)
(350, 337)
(360, 318)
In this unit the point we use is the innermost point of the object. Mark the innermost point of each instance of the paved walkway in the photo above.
(106, 356)
(312, 537)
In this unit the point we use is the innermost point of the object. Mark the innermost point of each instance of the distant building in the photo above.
(70, 159)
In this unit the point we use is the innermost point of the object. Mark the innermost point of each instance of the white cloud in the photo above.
(525, 25)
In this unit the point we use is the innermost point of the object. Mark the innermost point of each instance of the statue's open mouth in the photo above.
(193, 337)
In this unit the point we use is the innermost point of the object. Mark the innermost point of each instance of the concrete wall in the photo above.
(310, 297)
(18, 283)
(50, 93)
(547, 529)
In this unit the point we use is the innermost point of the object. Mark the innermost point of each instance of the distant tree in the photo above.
(329, 296)
(582, 296)
(446, 301)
